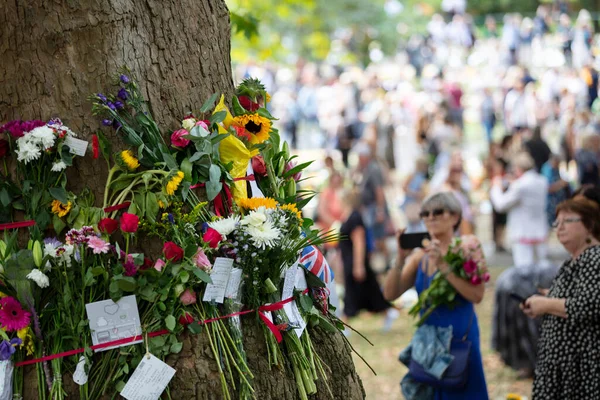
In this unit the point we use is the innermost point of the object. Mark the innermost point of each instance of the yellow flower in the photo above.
(513, 396)
(256, 125)
(268, 100)
(27, 339)
(173, 184)
(293, 209)
(256, 202)
(161, 204)
(61, 209)
(3, 295)
(129, 160)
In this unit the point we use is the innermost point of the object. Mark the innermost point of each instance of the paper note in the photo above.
(80, 377)
(6, 379)
(111, 321)
(300, 278)
(149, 380)
(289, 282)
(77, 146)
(220, 276)
(295, 318)
(233, 286)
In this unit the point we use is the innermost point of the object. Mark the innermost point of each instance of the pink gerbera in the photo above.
(12, 315)
(98, 245)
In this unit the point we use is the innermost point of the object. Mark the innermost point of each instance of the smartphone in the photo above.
(413, 240)
(517, 297)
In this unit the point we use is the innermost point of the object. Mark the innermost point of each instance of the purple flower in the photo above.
(124, 78)
(130, 269)
(116, 124)
(123, 94)
(119, 105)
(106, 122)
(101, 97)
(8, 348)
(171, 218)
(53, 241)
(111, 106)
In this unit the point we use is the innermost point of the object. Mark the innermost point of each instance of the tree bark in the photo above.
(55, 54)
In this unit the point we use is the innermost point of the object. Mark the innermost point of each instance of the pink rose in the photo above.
(475, 280)
(470, 267)
(188, 297)
(202, 124)
(486, 277)
(201, 260)
(178, 140)
(159, 264)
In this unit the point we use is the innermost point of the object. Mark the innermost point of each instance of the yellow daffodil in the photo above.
(259, 127)
(174, 183)
(61, 209)
(129, 160)
(256, 202)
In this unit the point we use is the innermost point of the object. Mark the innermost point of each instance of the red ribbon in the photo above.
(223, 203)
(117, 207)
(272, 327)
(16, 225)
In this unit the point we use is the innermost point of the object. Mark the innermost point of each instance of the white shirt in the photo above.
(525, 203)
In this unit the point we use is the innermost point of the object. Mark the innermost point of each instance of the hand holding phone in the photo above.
(409, 241)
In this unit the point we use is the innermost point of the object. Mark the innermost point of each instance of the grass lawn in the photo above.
(383, 356)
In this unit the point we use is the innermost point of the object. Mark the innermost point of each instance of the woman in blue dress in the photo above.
(441, 214)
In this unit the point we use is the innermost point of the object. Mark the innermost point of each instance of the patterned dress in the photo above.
(569, 349)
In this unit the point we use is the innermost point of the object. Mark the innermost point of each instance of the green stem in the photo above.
(107, 186)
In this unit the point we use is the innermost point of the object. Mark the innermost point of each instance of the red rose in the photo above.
(259, 166)
(3, 148)
(212, 237)
(172, 252)
(248, 104)
(186, 319)
(147, 264)
(95, 146)
(108, 225)
(129, 223)
(178, 139)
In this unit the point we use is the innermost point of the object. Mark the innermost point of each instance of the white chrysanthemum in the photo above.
(39, 277)
(225, 225)
(27, 151)
(255, 218)
(42, 135)
(58, 166)
(264, 235)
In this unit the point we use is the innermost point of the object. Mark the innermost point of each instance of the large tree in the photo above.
(55, 54)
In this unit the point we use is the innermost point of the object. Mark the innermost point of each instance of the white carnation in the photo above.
(44, 136)
(225, 225)
(39, 277)
(27, 151)
(58, 166)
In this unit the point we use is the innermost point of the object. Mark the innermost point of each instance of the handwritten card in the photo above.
(220, 277)
(76, 146)
(300, 279)
(233, 286)
(149, 380)
(289, 282)
(295, 318)
(111, 321)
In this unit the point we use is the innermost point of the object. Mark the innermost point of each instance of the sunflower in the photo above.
(292, 209)
(256, 202)
(129, 160)
(61, 209)
(173, 184)
(259, 127)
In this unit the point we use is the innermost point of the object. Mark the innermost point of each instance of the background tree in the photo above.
(55, 54)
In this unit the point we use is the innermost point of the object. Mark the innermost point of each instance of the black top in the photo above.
(569, 352)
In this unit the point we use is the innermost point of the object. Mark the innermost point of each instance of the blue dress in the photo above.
(459, 318)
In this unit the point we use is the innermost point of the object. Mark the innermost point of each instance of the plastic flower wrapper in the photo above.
(233, 150)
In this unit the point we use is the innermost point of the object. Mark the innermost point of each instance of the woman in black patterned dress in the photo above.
(568, 366)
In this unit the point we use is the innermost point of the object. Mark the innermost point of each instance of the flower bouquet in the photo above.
(465, 259)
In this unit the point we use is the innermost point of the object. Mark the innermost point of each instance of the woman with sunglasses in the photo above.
(568, 364)
(442, 215)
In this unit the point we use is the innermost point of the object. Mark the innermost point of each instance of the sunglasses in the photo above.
(434, 213)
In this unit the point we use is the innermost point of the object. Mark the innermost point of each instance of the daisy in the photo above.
(98, 245)
(12, 315)
(225, 225)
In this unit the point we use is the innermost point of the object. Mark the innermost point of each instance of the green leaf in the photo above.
(306, 303)
(196, 156)
(217, 117)
(186, 167)
(157, 341)
(326, 325)
(296, 169)
(214, 173)
(184, 276)
(59, 194)
(170, 323)
(313, 281)
(152, 207)
(176, 347)
(119, 386)
(209, 104)
(203, 276)
(127, 284)
(263, 112)
(105, 146)
(170, 161)
(195, 327)
(199, 132)
(218, 137)
(162, 306)
(185, 189)
(4, 197)
(58, 224)
(213, 189)
(96, 271)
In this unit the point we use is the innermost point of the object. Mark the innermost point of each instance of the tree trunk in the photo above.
(56, 54)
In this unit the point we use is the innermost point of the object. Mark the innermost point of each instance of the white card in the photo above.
(149, 380)
(268, 314)
(300, 278)
(77, 146)
(220, 276)
(79, 376)
(6, 379)
(295, 318)
(111, 321)
(233, 286)
(289, 282)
